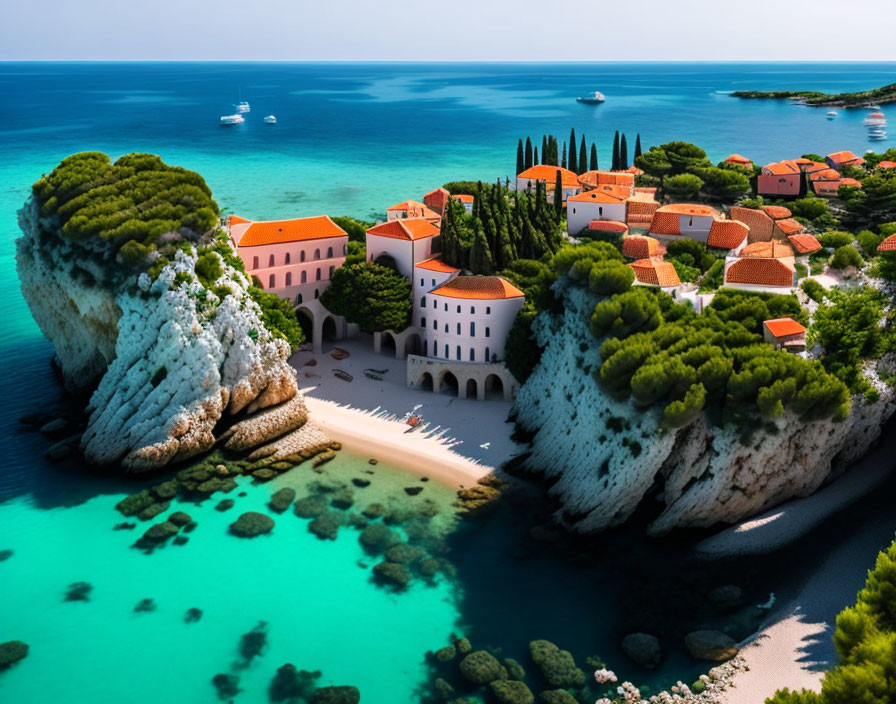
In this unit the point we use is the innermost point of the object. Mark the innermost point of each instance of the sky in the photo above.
(458, 30)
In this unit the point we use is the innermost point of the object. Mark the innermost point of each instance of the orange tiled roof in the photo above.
(738, 159)
(655, 272)
(665, 223)
(888, 245)
(814, 166)
(826, 188)
(689, 209)
(608, 226)
(776, 212)
(548, 173)
(615, 178)
(405, 229)
(478, 287)
(255, 234)
(766, 250)
(760, 272)
(641, 247)
(825, 175)
(727, 234)
(782, 168)
(605, 193)
(635, 171)
(784, 327)
(237, 220)
(851, 182)
(463, 198)
(804, 244)
(887, 165)
(760, 224)
(436, 264)
(414, 209)
(845, 157)
(789, 226)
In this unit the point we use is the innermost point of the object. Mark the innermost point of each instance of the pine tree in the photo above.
(583, 157)
(558, 195)
(528, 156)
(520, 159)
(563, 157)
(615, 164)
(593, 164)
(573, 162)
(637, 147)
(623, 153)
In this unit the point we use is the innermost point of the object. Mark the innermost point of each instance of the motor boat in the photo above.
(242, 106)
(831, 114)
(592, 99)
(877, 134)
(270, 120)
(876, 119)
(235, 119)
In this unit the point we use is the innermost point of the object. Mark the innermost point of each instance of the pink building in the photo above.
(292, 258)
(784, 178)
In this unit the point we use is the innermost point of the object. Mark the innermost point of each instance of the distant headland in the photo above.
(879, 96)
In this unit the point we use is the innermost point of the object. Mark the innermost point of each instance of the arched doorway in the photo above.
(494, 387)
(306, 322)
(449, 384)
(387, 344)
(471, 388)
(329, 330)
(425, 382)
(412, 344)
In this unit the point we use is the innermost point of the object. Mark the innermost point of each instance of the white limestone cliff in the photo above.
(172, 358)
(604, 455)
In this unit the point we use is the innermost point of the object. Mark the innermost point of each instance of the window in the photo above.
(446, 327)
(458, 309)
(254, 262)
(304, 277)
(271, 260)
(446, 352)
(316, 254)
(317, 275)
(289, 278)
(316, 293)
(435, 324)
(690, 222)
(434, 303)
(329, 252)
(488, 332)
(472, 329)
(302, 256)
(423, 301)
(421, 282)
(446, 307)
(573, 211)
(472, 310)
(299, 299)
(423, 323)
(345, 249)
(487, 355)
(458, 353)
(286, 258)
(472, 355)
(425, 347)
(600, 210)
(272, 281)
(435, 348)
(488, 310)
(433, 282)
(458, 328)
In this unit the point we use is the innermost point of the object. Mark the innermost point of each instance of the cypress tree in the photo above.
(528, 156)
(615, 165)
(545, 150)
(558, 195)
(637, 147)
(563, 156)
(536, 155)
(593, 164)
(555, 152)
(573, 162)
(583, 157)
(623, 153)
(520, 159)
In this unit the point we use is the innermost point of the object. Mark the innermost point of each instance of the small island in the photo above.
(878, 96)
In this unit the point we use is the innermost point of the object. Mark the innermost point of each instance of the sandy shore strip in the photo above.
(458, 442)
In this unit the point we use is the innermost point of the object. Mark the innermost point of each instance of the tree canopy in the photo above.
(374, 297)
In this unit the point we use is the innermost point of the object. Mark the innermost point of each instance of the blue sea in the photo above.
(351, 139)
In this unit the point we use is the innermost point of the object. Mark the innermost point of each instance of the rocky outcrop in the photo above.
(169, 357)
(604, 454)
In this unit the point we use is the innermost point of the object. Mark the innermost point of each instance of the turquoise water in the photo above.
(351, 139)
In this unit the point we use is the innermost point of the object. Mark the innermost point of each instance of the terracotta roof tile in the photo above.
(845, 157)
(760, 224)
(255, 234)
(414, 209)
(804, 244)
(436, 264)
(888, 245)
(776, 212)
(405, 229)
(767, 250)
(655, 272)
(689, 209)
(665, 223)
(236, 220)
(614, 178)
(851, 182)
(548, 173)
(605, 193)
(784, 327)
(463, 198)
(727, 234)
(887, 165)
(760, 272)
(789, 226)
(608, 226)
(738, 159)
(781, 168)
(641, 247)
(825, 175)
(478, 287)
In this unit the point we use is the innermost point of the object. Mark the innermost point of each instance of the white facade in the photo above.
(580, 213)
(424, 281)
(406, 253)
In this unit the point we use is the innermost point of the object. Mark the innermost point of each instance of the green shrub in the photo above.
(208, 269)
(847, 256)
(278, 316)
(868, 241)
(683, 186)
(813, 290)
(714, 277)
(373, 296)
(835, 238)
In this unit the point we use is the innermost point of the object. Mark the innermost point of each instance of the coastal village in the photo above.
(459, 326)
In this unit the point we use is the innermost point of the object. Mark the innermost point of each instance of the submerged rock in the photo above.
(78, 591)
(310, 506)
(446, 654)
(557, 696)
(290, 684)
(326, 525)
(5, 555)
(226, 685)
(252, 524)
(281, 499)
(224, 504)
(710, 645)
(643, 649)
(374, 511)
(11, 652)
(165, 490)
(253, 643)
(192, 615)
(511, 692)
(515, 671)
(135, 503)
(157, 534)
(413, 490)
(153, 510)
(392, 574)
(343, 498)
(404, 554)
(336, 695)
(145, 606)
(481, 667)
(377, 538)
(727, 597)
(179, 518)
(180, 540)
(360, 482)
(557, 666)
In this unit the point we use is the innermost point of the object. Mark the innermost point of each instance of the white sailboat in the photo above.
(235, 119)
(270, 120)
(242, 106)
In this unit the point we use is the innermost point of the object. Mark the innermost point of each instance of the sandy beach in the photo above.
(458, 442)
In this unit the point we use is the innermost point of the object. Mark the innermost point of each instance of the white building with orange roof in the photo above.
(804, 243)
(655, 271)
(294, 259)
(762, 266)
(837, 160)
(547, 174)
(605, 202)
(407, 242)
(785, 333)
(411, 209)
(739, 161)
(782, 178)
(428, 274)
(437, 199)
(593, 179)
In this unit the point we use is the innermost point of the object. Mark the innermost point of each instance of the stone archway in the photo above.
(388, 344)
(493, 387)
(412, 344)
(425, 383)
(448, 380)
(323, 324)
(470, 388)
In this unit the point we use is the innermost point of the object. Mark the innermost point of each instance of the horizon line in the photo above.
(448, 61)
